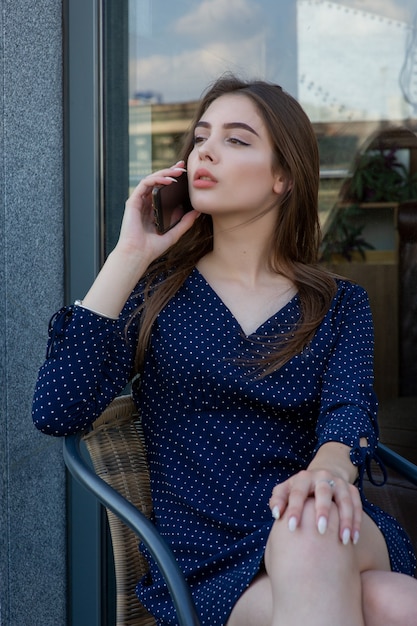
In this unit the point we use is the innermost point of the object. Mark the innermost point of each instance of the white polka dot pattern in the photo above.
(219, 437)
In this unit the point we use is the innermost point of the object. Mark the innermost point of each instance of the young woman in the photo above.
(255, 381)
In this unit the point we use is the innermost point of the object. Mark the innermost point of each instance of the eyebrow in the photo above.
(230, 125)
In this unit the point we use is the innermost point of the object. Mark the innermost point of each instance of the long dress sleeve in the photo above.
(89, 361)
(348, 402)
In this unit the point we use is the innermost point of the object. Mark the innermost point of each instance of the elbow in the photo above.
(47, 416)
(48, 426)
(59, 421)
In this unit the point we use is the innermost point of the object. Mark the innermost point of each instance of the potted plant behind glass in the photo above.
(367, 205)
(378, 176)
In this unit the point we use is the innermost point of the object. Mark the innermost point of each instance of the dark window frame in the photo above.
(96, 183)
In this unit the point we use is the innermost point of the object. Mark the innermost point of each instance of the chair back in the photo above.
(117, 451)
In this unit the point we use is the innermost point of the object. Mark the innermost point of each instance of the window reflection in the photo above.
(353, 67)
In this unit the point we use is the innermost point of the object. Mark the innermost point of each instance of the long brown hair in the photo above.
(296, 237)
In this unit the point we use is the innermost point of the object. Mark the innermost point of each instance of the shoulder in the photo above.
(348, 291)
(349, 305)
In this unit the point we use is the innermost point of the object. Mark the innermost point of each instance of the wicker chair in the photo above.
(121, 482)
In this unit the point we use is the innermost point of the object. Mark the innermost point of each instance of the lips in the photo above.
(203, 179)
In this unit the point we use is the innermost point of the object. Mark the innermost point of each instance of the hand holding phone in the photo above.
(170, 203)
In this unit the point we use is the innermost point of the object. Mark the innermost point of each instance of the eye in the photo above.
(199, 139)
(237, 142)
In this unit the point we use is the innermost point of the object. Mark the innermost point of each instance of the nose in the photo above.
(205, 151)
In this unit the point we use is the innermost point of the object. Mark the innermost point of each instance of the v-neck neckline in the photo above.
(258, 330)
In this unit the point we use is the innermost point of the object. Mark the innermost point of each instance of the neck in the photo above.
(242, 251)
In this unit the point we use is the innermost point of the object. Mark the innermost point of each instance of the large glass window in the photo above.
(353, 67)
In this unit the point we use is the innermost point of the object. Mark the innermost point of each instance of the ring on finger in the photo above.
(329, 482)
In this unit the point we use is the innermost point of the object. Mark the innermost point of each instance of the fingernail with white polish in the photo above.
(180, 169)
(322, 525)
(356, 537)
(174, 180)
(346, 536)
(292, 524)
(275, 512)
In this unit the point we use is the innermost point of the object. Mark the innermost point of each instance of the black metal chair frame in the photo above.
(140, 524)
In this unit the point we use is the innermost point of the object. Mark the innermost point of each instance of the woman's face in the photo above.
(230, 167)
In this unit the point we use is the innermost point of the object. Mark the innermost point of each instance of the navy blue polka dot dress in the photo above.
(219, 437)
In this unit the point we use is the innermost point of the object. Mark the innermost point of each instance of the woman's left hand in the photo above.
(326, 487)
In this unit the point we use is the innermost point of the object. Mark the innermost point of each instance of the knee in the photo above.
(306, 546)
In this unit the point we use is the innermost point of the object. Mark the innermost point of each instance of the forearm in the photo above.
(115, 282)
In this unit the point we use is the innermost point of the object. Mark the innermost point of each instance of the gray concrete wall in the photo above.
(32, 479)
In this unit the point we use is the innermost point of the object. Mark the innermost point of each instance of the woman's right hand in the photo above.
(138, 235)
(139, 244)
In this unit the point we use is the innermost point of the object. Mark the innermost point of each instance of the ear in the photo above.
(282, 184)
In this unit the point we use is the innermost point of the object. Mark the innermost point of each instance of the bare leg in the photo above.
(389, 599)
(316, 580)
(254, 607)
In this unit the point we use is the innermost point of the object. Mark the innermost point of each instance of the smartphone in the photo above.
(170, 203)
